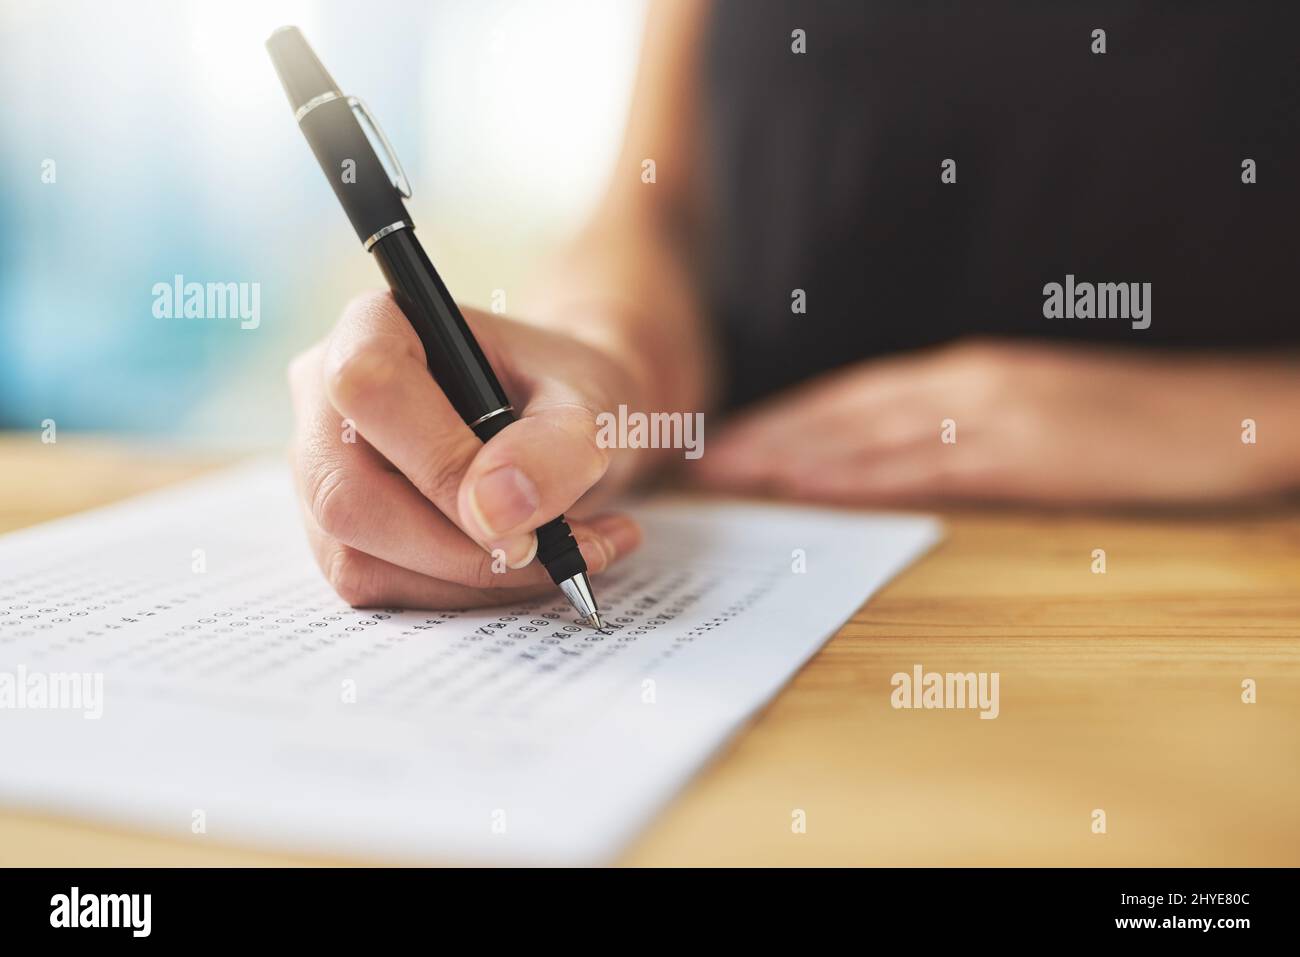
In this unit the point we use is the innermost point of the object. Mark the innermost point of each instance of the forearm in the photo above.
(624, 286)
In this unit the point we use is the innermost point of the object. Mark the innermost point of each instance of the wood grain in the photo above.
(1119, 691)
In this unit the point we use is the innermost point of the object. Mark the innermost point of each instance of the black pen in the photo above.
(374, 204)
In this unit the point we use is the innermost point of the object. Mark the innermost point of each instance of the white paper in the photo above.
(242, 701)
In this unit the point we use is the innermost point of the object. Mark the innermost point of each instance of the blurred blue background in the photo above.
(174, 152)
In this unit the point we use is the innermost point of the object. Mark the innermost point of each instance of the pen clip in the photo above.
(402, 185)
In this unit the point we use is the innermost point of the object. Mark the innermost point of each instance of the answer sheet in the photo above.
(239, 700)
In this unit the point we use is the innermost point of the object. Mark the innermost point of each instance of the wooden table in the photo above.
(1120, 692)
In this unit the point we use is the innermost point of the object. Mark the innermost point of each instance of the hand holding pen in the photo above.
(418, 511)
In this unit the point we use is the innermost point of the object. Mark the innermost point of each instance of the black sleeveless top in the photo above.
(823, 171)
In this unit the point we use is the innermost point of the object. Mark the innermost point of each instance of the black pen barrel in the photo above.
(458, 365)
(453, 354)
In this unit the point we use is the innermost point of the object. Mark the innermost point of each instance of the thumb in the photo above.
(531, 471)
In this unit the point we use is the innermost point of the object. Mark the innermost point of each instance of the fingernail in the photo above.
(595, 551)
(519, 551)
(503, 499)
(618, 533)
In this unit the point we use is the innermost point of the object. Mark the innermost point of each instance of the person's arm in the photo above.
(401, 502)
(626, 283)
(1035, 422)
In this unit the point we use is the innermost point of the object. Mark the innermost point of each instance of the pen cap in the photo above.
(328, 120)
(301, 72)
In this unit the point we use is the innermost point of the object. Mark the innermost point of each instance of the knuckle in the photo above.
(376, 315)
(296, 370)
(367, 302)
(579, 423)
(333, 501)
(986, 369)
(351, 576)
(367, 367)
(439, 476)
(598, 459)
(482, 571)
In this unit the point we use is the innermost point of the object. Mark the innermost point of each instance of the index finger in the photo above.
(375, 374)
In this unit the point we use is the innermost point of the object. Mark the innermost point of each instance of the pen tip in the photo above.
(578, 591)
